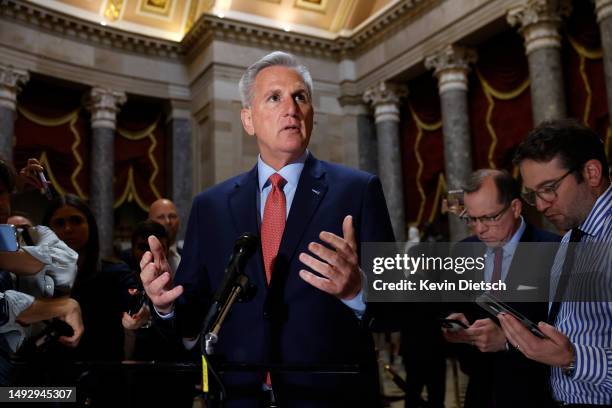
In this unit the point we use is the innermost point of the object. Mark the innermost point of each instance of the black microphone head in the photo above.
(246, 244)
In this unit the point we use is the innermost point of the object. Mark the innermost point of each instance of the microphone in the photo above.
(244, 248)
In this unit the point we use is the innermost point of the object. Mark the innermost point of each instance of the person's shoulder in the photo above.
(535, 234)
(342, 171)
(223, 188)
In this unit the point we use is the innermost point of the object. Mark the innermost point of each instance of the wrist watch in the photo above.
(569, 369)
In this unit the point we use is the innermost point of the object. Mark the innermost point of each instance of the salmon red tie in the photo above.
(273, 223)
(272, 227)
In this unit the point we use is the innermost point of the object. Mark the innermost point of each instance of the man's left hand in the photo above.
(339, 267)
(556, 350)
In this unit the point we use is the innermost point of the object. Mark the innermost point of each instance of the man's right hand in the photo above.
(156, 276)
(457, 336)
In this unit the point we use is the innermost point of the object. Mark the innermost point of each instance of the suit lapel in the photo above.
(242, 205)
(310, 191)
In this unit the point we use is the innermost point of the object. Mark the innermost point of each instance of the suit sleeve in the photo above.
(376, 226)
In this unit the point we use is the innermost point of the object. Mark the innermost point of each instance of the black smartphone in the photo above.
(452, 324)
(495, 306)
(136, 302)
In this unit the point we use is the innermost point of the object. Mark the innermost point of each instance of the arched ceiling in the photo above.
(172, 19)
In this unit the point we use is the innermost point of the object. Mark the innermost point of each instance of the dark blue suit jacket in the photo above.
(289, 321)
(507, 379)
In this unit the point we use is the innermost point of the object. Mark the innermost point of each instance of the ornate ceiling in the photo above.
(172, 19)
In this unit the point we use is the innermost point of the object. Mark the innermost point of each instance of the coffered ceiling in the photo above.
(172, 19)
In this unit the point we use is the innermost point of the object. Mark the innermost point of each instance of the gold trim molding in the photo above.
(212, 27)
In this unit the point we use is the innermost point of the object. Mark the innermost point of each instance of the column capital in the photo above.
(451, 66)
(11, 80)
(603, 9)
(354, 105)
(177, 109)
(385, 98)
(539, 21)
(104, 104)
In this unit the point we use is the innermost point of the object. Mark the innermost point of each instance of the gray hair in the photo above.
(507, 187)
(276, 58)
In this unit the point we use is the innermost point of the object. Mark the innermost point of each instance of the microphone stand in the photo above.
(239, 291)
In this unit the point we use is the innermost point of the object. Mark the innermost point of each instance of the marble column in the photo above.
(358, 121)
(539, 22)
(451, 66)
(179, 131)
(11, 80)
(385, 98)
(604, 18)
(103, 105)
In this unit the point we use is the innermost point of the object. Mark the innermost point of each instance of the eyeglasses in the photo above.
(487, 220)
(547, 193)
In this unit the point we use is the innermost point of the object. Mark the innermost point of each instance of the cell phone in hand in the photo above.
(136, 302)
(8, 238)
(452, 324)
(495, 306)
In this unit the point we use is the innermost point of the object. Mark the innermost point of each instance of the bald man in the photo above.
(164, 212)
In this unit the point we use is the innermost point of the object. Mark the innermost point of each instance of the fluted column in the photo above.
(11, 80)
(385, 98)
(539, 22)
(451, 66)
(604, 18)
(181, 181)
(103, 105)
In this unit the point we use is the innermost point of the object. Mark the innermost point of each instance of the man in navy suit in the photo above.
(312, 217)
(499, 375)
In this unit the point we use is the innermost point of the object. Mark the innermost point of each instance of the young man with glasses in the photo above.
(493, 211)
(565, 175)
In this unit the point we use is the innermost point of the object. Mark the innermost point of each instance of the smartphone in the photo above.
(495, 307)
(136, 302)
(452, 324)
(8, 238)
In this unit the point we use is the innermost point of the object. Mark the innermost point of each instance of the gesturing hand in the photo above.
(156, 276)
(340, 272)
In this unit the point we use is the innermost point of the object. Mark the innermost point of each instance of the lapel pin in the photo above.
(317, 192)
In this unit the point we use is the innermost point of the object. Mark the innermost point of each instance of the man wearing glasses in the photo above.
(565, 175)
(497, 372)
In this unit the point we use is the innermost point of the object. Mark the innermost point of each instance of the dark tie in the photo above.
(575, 237)
(273, 223)
(497, 264)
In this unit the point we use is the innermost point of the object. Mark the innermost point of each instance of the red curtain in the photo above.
(52, 125)
(583, 70)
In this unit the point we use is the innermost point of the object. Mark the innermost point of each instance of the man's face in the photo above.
(5, 204)
(484, 203)
(280, 115)
(164, 212)
(572, 202)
